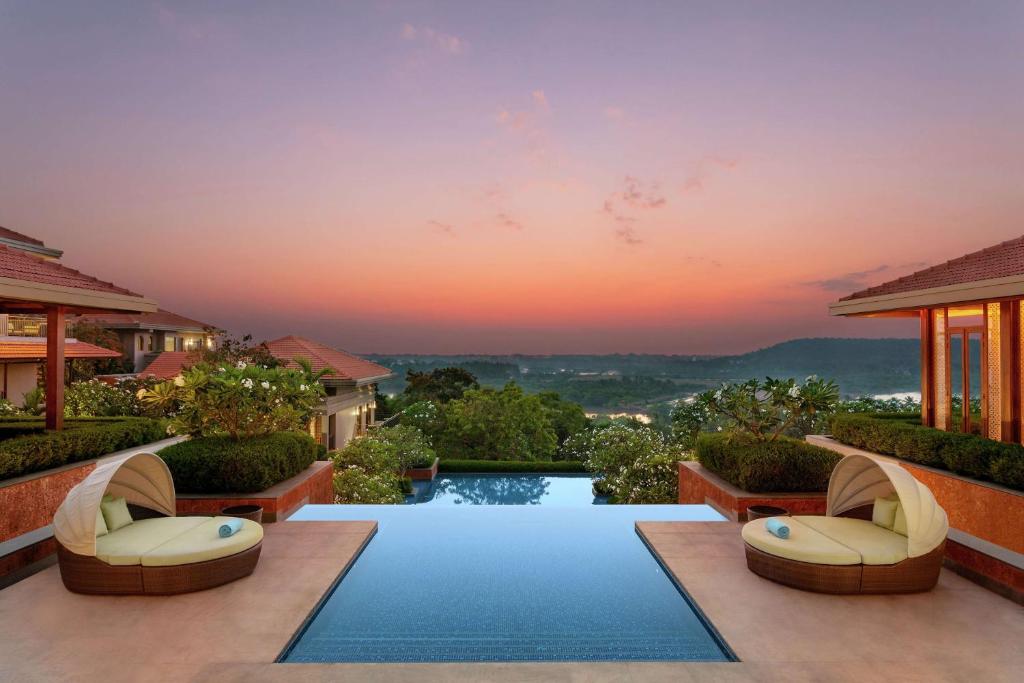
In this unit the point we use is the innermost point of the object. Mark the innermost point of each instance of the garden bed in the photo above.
(700, 486)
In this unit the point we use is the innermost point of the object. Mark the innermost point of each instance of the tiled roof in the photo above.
(15, 235)
(30, 348)
(18, 265)
(161, 318)
(168, 364)
(345, 365)
(1002, 260)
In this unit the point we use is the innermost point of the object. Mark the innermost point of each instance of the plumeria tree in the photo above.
(766, 410)
(241, 400)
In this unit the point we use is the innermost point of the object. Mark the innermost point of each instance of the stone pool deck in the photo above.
(958, 632)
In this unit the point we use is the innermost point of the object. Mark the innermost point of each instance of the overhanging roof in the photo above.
(158, 320)
(986, 275)
(34, 348)
(30, 283)
(346, 367)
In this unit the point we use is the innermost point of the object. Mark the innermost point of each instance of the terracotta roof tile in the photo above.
(160, 318)
(1001, 260)
(169, 364)
(18, 265)
(30, 348)
(345, 365)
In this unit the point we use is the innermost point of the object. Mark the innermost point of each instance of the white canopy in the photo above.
(857, 480)
(141, 478)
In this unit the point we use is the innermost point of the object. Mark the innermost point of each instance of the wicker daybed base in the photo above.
(84, 574)
(912, 575)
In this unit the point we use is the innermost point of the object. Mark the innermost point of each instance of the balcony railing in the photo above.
(27, 325)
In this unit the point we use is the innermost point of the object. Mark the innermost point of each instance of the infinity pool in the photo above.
(561, 580)
(508, 489)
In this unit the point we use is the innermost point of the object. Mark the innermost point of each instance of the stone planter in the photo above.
(700, 486)
(423, 473)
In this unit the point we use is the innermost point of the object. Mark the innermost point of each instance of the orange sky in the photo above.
(466, 179)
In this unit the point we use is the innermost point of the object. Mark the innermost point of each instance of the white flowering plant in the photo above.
(634, 462)
(766, 410)
(355, 486)
(239, 400)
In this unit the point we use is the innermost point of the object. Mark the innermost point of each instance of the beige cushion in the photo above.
(101, 524)
(127, 545)
(203, 543)
(874, 544)
(884, 512)
(899, 523)
(804, 544)
(115, 513)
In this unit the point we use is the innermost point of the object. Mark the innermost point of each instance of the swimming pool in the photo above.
(457, 582)
(507, 489)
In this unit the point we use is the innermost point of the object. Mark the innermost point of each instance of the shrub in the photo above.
(220, 464)
(370, 454)
(353, 485)
(27, 447)
(409, 446)
(903, 436)
(780, 466)
(511, 466)
(636, 463)
(489, 424)
(651, 478)
(240, 400)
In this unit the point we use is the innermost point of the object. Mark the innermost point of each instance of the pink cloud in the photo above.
(705, 169)
(444, 42)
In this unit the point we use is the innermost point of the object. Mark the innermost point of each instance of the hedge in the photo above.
(966, 454)
(486, 466)
(781, 466)
(82, 439)
(220, 464)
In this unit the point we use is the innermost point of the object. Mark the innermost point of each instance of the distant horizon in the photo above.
(685, 179)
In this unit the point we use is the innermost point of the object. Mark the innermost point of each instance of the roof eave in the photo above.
(970, 292)
(73, 297)
(39, 249)
(348, 382)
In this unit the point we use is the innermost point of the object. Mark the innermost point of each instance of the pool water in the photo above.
(507, 489)
(560, 580)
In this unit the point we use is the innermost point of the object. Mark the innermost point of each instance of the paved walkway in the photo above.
(958, 632)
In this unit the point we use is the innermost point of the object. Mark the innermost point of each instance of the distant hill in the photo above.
(860, 366)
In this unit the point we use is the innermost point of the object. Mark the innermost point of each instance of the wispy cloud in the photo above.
(443, 42)
(505, 221)
(860, 279)
(444, 228)
(530, 124)
(705, 169)
(635, 195)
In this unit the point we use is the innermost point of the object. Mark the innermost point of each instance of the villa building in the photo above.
(145, 335)
(348, 409)
(970, 311)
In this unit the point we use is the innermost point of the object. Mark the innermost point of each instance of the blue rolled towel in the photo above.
(776, 527)
(230, 528)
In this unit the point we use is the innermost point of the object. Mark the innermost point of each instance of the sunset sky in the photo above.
(529, 177)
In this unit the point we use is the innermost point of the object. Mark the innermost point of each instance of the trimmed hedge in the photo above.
(220, 464)
(966, 454)
(566, 466)
(84, 438)
(782, 466)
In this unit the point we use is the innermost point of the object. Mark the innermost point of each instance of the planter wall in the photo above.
(700, 486)
(424, 473)
(315, 485)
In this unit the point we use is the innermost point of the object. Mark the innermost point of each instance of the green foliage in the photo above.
(778, 466)
(221, 464)
(904, 437)
(355, 486)
(637, 465)
(83, 369)
(766, 410)
(410, 447)
(486, 424)
(567, 418)
(26, 447)
(241, 400)
(425, 416)
(230, 351)
(511, 466)
(440, 386)
(370, 454)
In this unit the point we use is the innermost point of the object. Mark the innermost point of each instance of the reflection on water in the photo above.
(510, 489)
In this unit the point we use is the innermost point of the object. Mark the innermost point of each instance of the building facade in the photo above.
(144, 336)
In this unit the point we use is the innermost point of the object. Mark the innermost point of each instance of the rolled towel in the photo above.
(230, 528)
(776, 527)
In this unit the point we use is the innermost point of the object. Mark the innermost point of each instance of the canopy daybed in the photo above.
(844, 551)
(157, 553)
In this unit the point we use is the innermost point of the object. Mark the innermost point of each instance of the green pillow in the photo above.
(115, 513)
(899, 524)
(884, 512)
(101, 524)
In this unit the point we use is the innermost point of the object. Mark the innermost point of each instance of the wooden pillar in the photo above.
(1009, 370)
(55, 368)
(927, 368)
